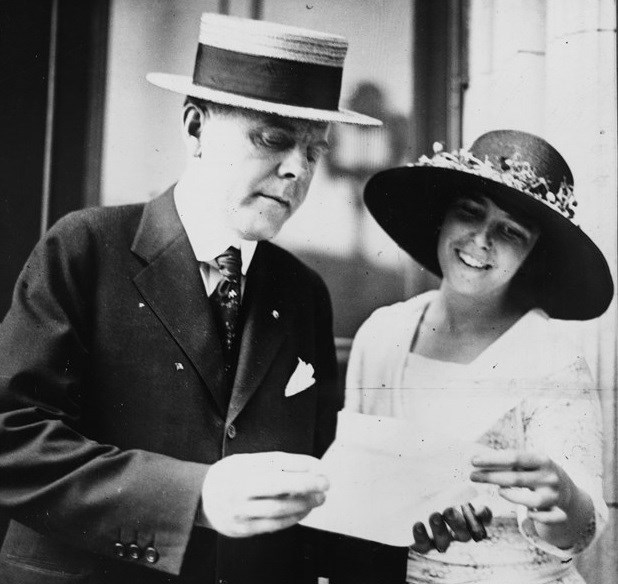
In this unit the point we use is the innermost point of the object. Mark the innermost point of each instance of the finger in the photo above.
(284, 461)
(504, 459)
(259, 526)
(296, 462)
(456, 521)
(475, 527)
(531, 460)
(278, 508)
(441, 535)
(422, 542)
(542, 498)
(552, 516)
(484, 514)
(495, 459)
(277, 484)
(512, 478)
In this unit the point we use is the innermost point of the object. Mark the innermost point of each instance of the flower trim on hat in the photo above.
(514, 173)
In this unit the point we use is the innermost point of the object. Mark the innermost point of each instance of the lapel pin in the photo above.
(275, 314)
(141, 304)
(179, 366)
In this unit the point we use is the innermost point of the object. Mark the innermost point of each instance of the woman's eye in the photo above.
(513, 233)
(469, 209)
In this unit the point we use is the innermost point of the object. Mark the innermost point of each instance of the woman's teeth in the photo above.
(472, 262)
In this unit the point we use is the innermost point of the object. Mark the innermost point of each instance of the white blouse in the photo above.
(556, 411)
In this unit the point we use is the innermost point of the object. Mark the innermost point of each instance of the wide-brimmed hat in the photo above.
(521, 173)
(267, 67)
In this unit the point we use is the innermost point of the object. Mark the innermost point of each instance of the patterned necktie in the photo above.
(226, 301)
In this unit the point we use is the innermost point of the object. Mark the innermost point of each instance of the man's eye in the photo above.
(314, 154)
(272, 140)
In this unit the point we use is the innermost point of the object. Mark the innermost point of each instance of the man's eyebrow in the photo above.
(292, 125)
(278, 122)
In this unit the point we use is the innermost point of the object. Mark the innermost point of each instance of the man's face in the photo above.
(256, 169)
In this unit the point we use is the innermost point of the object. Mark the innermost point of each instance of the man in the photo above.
(167, 375)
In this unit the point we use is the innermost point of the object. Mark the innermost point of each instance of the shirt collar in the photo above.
(209, 239)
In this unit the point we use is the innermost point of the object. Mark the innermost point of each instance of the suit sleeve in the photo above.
(54, 479)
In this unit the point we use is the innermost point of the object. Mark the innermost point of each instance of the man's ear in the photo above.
(192, 125)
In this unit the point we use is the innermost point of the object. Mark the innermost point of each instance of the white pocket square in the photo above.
(301, 379)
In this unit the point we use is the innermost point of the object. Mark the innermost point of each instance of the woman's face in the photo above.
(481, 246)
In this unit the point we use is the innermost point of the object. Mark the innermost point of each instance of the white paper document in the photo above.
(385, 477)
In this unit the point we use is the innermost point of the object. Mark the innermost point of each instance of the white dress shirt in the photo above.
(209, 238)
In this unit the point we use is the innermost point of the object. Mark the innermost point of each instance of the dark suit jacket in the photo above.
(112, 407)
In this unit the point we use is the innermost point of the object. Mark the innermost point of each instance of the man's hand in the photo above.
(249, 494)
(461, 523)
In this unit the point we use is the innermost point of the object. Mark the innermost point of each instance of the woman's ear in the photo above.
(192, 125)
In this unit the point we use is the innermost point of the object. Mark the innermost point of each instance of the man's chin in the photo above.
(259, 232)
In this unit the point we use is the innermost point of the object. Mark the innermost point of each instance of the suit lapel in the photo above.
(269, 308)
(172, 286)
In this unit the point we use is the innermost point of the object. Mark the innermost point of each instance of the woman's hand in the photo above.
(461, 523)
(529, 479)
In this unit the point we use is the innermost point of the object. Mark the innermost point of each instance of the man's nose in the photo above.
(294, 164)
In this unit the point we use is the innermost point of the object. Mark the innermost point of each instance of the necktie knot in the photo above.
(230, 264)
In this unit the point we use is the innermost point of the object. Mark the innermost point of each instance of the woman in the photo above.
(496, 223)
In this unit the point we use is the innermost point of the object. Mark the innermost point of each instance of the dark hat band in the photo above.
(275, 80)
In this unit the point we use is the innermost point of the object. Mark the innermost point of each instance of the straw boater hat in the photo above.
(521, 173)
(267, 67)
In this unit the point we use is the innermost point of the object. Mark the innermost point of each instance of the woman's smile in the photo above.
(471, 261)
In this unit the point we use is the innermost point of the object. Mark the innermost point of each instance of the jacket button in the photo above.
(231, 431)
(120, 550)
(151, 555)
(135, 551)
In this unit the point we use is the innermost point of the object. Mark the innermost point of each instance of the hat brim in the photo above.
(409, 204)
(184, 85)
